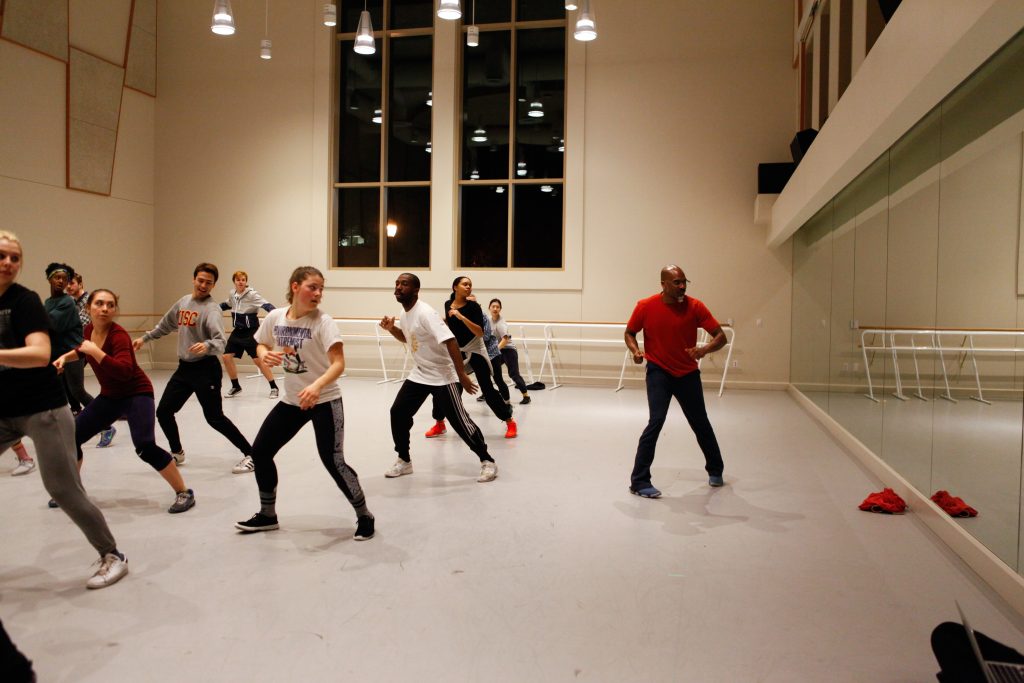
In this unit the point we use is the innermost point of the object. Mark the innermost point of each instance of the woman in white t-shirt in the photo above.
(509, 354)
(304, 340)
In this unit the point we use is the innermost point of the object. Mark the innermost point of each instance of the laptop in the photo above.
(995, 672)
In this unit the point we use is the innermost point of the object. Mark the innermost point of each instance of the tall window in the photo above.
(382, 180)
(511, 187)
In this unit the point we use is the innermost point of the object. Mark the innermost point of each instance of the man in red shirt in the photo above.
(669, 321)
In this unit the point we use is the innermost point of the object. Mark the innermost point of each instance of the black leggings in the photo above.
(482, 370)
(283, 422)
(202, 378)
(138, 410)
(511, 358)
(447, 397)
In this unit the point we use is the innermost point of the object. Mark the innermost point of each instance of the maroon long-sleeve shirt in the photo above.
(119, 374)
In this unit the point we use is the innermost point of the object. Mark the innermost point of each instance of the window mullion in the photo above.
(513, 104)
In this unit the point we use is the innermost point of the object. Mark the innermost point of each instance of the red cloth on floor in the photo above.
(952, 505)
(885, 500)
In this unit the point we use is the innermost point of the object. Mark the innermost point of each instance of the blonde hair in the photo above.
(240, 273)
(11, 237)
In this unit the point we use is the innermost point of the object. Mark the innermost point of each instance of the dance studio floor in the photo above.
(553, 572)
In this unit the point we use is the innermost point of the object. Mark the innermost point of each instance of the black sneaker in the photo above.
(481, 398)
(260, 522)
(233, 391)
(364, 528)
(525, 401)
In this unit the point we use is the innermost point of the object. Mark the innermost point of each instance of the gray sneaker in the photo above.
(185, 499)
(179, 457)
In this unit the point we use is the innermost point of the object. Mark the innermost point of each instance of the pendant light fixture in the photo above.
(449, 9)
(586, 27)
(570, 5)
(330, 14)
(364, 43)
(473, 32)
(265, 43)
(223, 23)
(536, 109)
(479, 135)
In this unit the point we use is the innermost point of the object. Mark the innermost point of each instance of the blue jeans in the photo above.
(661, 388)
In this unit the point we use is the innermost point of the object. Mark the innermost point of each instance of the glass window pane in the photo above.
(538, 226)
(540, 109)
(409, 212)
(484, 239)
(359, 106)
(412, 14)
(408, 113)
(488, 11)
(533, 10)
(348, 15)
(358, 227)
(485, 107)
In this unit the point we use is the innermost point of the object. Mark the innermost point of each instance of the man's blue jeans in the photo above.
(661, 387)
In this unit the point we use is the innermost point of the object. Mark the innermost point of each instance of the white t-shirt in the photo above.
(501, 331)
(305, 343)
(426, 333)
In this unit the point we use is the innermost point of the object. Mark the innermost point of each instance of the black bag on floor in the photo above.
(536, 386)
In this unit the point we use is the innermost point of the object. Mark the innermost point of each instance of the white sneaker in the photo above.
(179, 457)
(488, 471)
(244, 466)
(112, 569)
(398, 469)
(24, 467)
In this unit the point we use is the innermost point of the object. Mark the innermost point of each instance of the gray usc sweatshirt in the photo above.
(197, 320)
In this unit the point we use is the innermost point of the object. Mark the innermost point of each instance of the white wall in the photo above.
(108, 239)
(672, 107)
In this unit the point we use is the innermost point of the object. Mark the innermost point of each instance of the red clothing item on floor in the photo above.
(952, 505)
(886, 500)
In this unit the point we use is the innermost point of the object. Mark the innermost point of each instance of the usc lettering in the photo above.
(187, 318)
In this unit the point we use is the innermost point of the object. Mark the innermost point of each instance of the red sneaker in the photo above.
(511, 432)
(437, 430)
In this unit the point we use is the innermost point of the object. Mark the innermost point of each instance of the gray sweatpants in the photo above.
(53, 433)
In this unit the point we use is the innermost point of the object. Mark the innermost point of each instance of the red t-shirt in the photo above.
(119, 374)
(670, 329)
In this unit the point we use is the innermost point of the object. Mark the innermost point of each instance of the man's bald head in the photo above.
(673, 284)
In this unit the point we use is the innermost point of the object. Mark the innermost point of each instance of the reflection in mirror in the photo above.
(812, 277)
(933, 280)
(409, 213)
(910, 301)
(978, 439)
(871, 204)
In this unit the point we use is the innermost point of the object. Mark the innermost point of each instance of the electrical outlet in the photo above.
(759, 322)
(846, 367)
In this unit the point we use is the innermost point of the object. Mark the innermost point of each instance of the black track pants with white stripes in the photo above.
(448, 397)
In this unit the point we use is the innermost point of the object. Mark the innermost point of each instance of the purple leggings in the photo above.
(140, 412)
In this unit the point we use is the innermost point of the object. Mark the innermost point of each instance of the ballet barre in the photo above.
(551, 339)
(930, 340)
